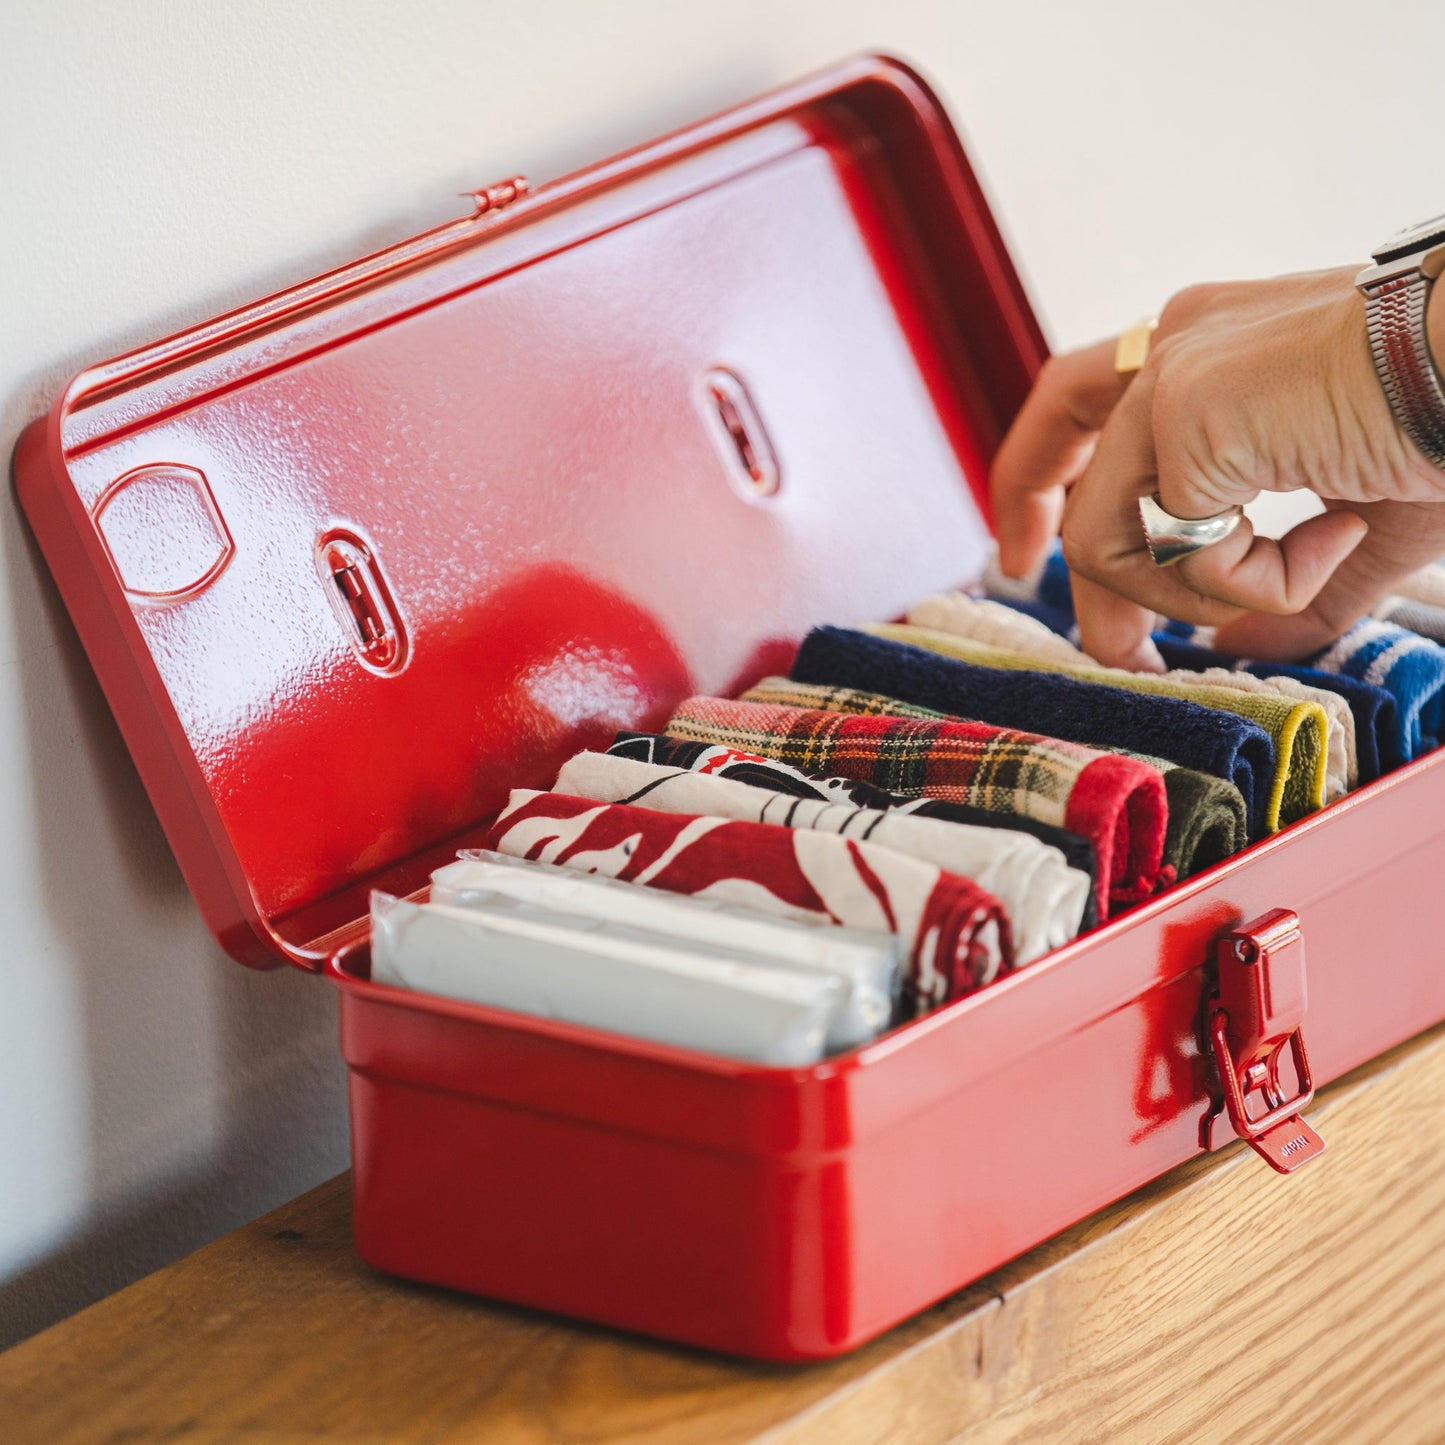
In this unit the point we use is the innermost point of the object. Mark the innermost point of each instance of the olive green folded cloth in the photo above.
(1298, 729)
(1206, 815)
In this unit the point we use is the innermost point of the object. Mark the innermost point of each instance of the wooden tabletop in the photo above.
(1221, 1302)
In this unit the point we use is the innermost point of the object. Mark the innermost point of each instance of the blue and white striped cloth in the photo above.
(1409, 667)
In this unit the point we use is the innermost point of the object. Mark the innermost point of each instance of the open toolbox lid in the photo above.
(354, 561)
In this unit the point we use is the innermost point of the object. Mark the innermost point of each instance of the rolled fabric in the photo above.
(1219, 744)
(1418, 617)
(1048, 584)
(779, 777)
(1299, 730)
(995, 623)
(1207, 818)
(1409, 667)
(606, 977)
(1042, 896)
(1372, 708)
(954, 935)
(1207, 821)
(1117, 803)
(1382, 739)
(1426, 585)
(962, 617)
(866, 963)
(1342, 771)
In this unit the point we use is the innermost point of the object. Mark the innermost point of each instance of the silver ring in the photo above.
(1171, 539)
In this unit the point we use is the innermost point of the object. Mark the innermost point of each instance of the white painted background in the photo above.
(160, 162)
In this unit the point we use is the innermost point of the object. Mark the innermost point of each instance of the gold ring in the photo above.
(1132, 349)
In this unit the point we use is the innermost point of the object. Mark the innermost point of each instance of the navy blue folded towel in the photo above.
(1377, 729)
(1221, 744)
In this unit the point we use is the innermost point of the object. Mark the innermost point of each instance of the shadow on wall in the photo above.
(213, 1093)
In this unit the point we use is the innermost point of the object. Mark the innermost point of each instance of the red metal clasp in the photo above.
(499, 194)
(1252, 1020)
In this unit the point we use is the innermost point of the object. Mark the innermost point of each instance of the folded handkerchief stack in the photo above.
(955, 935)
(1116, 802)
(612, 976)
(779, 777)
(1297, 729)
(1387, 730)
(866, 963)
(1042, 896)
(1372, 709)
(962, 617)
(1207, 819)
(1220, 745)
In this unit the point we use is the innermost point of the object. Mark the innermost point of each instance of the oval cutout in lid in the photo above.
(163, 532)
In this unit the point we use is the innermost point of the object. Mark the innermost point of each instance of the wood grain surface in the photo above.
(1221, 1303)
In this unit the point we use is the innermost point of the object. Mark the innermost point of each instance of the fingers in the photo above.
(1283, 577)
(1400, 537)
(1046, 449)
(1104, 541)
(1113, 630)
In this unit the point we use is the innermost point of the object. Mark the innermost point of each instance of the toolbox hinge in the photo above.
(1253, 1018)
(498, 195)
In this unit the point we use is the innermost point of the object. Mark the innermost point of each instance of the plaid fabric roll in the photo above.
(790, 782)
(1208, 821)
(1118, 804)
(955, 935)
(1410, 668)
(1299, 730)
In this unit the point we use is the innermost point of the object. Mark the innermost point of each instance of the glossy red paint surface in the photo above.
(515, 430)
(479, 500)
(793, 1215)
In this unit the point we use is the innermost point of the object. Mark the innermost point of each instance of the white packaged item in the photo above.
(605, 976)
(867, 963)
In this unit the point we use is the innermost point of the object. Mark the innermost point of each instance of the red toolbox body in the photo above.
(354, 561)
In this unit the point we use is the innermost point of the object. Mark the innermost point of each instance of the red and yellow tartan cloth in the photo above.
(954, 936)
(1119, 804)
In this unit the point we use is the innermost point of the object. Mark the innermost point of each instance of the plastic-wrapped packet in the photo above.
(867, 963)
(605, 975)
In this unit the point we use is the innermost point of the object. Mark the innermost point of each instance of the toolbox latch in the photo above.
(1252, 1022)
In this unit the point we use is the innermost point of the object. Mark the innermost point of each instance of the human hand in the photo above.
(1248, 387)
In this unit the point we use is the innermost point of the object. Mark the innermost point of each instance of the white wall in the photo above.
(162, 161)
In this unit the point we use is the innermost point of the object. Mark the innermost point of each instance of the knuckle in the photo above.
(1188, 306)
(1078, 555)
(1050, 378)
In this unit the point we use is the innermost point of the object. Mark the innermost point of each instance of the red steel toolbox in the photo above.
(352, 562)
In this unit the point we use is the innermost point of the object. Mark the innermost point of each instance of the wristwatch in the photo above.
(1396, 289)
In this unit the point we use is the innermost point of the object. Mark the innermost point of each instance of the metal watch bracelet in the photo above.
(1395, 319)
